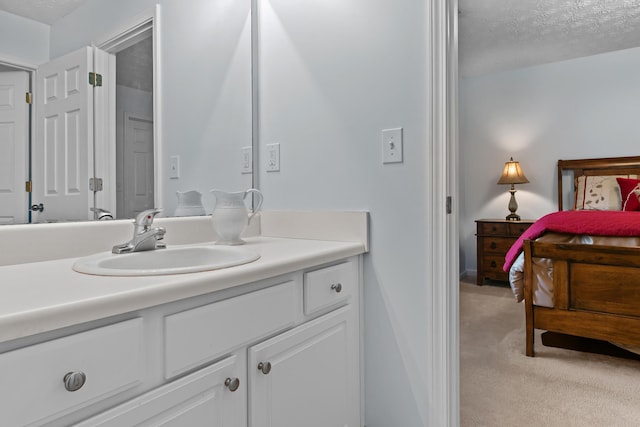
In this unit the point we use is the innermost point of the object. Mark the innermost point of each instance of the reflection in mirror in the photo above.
(14, 140)
(137, 147)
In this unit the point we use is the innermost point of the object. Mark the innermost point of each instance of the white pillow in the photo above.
(600, 193)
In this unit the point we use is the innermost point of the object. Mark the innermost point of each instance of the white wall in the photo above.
(206, 83)
(333, 74)
(581, 108)
(23, 39)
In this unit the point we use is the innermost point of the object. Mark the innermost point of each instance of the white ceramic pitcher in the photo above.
(230, 215)
(189, 203)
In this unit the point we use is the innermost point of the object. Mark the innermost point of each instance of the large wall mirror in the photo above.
(169, 112)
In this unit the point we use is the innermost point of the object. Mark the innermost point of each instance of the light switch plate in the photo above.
(273, 157)
(392, 145)
(174, 167)
(247, 160)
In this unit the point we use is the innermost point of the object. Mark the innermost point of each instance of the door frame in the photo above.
(443, 299)
(126, 35)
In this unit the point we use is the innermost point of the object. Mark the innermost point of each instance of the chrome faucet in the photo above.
(144, 238)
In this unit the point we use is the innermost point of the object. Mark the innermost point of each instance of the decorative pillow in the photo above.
(630, 191)
(600, 193)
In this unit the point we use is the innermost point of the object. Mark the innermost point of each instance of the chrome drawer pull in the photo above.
(337, 287)
(73, 381)
(232, 384)
(264, 367)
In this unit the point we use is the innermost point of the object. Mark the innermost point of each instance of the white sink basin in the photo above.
(175, 260)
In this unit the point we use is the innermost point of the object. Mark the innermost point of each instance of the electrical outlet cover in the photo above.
(273, 157)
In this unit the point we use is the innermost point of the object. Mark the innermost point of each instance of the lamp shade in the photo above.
(512, 174)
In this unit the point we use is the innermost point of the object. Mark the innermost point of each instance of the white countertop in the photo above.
(43, 296)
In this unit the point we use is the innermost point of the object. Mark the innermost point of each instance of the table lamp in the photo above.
(512, 174)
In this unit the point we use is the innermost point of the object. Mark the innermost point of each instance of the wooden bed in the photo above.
(596, 288)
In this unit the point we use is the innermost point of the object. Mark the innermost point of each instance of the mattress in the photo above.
(543, 269)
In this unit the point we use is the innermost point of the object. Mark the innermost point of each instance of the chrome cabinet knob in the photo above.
(337, 287)
(232, 383)
(74, 381)
(265, 367)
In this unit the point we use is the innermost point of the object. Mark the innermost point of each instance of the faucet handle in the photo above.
(145, 218)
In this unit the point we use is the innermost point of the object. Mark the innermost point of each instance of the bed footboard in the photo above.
(596, 292)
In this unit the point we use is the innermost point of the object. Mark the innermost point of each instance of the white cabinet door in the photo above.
(314, 375)
(208, 397)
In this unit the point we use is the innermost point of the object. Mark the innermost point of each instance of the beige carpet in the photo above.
(500, 386)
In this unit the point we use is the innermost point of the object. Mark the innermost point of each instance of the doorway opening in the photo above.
(129, 144)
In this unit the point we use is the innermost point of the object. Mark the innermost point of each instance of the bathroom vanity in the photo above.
(275, 342)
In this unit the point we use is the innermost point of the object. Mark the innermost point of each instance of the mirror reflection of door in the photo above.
(134, 129)
(14, 139)
(63, 146)
(71, 145)
(137, 163)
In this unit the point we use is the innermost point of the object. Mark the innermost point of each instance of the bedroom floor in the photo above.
(500, 386)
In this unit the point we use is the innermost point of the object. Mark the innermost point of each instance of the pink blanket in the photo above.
(595, 223)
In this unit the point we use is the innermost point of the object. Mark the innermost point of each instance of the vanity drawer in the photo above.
(34, 391)
(197, 336)
(328, 286)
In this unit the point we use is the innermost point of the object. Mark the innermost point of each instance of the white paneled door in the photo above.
(63, 146)
(14, 140)
(138, 165)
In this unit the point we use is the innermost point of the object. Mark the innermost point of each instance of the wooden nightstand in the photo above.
(495, 237)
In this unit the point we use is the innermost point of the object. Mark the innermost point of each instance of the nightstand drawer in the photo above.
(494, 228)
(517, 228)
(497, 245)
(493, 264)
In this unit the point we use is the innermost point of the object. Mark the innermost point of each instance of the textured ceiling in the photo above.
(46, 11)
(496, 35)
(134, 64)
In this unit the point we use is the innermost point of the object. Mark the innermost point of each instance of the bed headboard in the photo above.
(595, 167)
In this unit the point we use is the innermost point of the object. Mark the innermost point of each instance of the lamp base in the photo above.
(513, 206)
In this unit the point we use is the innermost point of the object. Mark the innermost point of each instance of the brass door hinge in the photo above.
(95, 184)
(95, 79)
(29, 98)
(28, 186)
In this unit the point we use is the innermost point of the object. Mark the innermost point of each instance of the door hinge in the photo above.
(95, 79)
(95, 184)
(28, 98)
(449, 203)
(28, 186)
